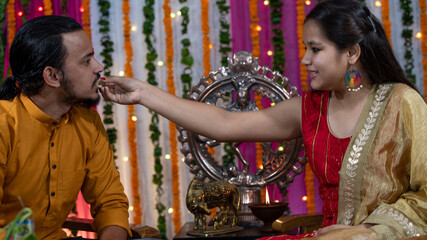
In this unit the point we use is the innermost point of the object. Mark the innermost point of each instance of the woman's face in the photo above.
(326, 65)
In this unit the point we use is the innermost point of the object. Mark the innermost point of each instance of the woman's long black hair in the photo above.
(348, 22)
(37, 44)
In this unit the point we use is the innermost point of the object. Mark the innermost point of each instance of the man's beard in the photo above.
(71, 98)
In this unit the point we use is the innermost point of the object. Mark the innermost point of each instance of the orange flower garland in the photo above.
(47, 7)
(11, 21)
(300, 25)
(86, 17)
(386, 19)
(167, 22)
(308, 177)
(253, 10)
(423, 24)
(206, 45)
(131, 123)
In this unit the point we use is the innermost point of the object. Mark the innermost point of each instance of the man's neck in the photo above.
(50, 104)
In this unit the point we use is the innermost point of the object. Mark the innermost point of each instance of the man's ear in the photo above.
(354, 53)
(52, 77)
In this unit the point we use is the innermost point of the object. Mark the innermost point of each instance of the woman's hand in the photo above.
(122, 90)
(340, 226)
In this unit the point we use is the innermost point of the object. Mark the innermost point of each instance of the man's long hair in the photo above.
(37, 44)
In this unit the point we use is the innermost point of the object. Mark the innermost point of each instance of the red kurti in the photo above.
(325, 152)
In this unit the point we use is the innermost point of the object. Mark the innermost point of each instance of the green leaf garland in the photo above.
(107, 60)
(277, 39)
(151, 56)
(186, 58)
(407, 35)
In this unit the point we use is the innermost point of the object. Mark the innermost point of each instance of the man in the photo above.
(52, 144)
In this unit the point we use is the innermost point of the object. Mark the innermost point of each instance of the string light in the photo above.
(179, 13)
(134, 28)
(378, 3)
(170, 210)
(168, 156)
(258, 28)
(273, 104)
(160, 63)
(125, 158)
(183, 159)
(173, 15)
(419, 35)
(276, 201)
(269, 52)
(82, 9)
(266, 2)
(20, 13)
(40, 9)
(131, 208)
(121, 73)
(134, 118)
(304, 198)
(210, 46)
(307, 3)
(280, 148)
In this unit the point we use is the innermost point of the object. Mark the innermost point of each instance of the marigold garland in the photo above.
(308, 177)
(423, 24)
(47, 7)
(167, 22)
(386, 19)
(253, 10)
(206, 45)
(301, 47)
(131, 123)
(11, 21)
(86, 17)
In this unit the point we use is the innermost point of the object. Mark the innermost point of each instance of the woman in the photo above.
(363, 124)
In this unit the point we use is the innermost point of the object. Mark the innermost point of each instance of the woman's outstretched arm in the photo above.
(280, 122)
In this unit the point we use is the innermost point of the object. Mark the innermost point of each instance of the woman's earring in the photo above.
(353, 80)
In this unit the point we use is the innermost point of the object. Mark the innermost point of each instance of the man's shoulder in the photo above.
(6, 106)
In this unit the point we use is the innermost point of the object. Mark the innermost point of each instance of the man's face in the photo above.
(81, 70)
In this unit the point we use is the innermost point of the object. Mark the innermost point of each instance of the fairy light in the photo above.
(183, 159)
(307, 3)
(173, 15)
(167, 156)
(266, 2)
(121, 73)
(131, 208)
(269, 52)
(170, 210)
(258, 28)
(125, 158)
(378, 3)
(276, 201)
(160, 63)
(419, 35)
(179, 13)
(82, 9)
(134, 28)
(134, 118)
(40, 9)
(304, 198)
(20, 13)
(280, 148)
(273, 104)
(210, 46)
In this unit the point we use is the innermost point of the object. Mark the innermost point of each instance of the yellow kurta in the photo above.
(46, 163)
(383, 179)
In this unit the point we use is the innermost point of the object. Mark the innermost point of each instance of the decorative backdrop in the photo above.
(172, 44)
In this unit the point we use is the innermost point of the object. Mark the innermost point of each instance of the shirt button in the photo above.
(54, 166)
(52, 194)
(51, 144)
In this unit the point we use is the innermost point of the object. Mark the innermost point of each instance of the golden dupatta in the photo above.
(383, 175)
